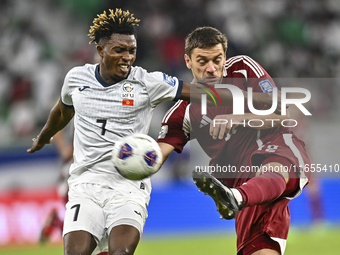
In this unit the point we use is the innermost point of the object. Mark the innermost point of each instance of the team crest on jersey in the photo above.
(127, 87)
(266, 86)
(169, 80)
(128, 90)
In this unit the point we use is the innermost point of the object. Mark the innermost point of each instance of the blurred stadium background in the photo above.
(42, 39)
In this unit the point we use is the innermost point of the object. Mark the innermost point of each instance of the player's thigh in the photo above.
(275, 166)
(79, 242)
(123, 238)
(262, 245)
(266, 252)
(126, 225)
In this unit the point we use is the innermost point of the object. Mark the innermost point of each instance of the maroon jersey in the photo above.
(245, 147)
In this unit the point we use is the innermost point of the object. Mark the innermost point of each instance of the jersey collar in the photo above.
(100, 79)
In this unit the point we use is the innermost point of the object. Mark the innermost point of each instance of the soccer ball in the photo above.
(136, 156)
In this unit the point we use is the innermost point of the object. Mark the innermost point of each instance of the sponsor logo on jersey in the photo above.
(205, 121)
(138, 213)
(142, 186)
(83, 88)
(127, 102)
(266, 86)
(169, 80)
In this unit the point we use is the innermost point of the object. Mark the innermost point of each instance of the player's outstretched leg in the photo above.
(53, 222)
(224, 198)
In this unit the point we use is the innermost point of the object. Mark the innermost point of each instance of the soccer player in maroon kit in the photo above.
(53, 221)
(258, 200)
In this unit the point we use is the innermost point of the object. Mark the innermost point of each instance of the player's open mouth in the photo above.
(124, 67)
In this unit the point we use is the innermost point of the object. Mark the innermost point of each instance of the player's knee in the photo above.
(77, 249)
(123, 240)
(124, 248)
(275, 167)
(266, 252)
(124, 251)
(79, 242)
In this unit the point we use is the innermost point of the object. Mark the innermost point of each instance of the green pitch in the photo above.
(308, 242)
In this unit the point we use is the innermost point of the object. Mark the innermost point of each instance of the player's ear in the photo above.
(100, 50)
(187, 61)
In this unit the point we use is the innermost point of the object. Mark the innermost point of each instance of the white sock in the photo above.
(237, 195)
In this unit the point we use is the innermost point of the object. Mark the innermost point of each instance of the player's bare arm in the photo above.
(222, 124)
(194, 92)
(59, 117)
(166, 149)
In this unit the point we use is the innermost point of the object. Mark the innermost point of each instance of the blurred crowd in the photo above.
(42, 39)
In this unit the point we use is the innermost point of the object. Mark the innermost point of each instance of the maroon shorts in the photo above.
(259, 243)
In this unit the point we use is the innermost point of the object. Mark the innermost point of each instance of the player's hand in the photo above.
(38, 144)
(224, 124)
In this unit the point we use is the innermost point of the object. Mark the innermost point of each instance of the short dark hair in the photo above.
(119, 22)
(205, 37)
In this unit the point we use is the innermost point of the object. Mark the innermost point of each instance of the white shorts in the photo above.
(97, 209)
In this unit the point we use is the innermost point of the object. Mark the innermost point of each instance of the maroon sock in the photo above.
(262, 189)
(59, 224)
(317, 213)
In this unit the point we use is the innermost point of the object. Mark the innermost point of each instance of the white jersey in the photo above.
(106, 112)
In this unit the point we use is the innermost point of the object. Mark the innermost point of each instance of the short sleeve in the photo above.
(162, 87)
(175, 129)
(245, 68)
(66, 98)
(246, 72)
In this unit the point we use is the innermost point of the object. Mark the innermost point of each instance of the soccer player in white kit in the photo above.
(108, 100)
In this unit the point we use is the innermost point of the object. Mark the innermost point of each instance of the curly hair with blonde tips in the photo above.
(118, 22)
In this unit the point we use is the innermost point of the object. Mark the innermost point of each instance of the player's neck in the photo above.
(109, 77)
